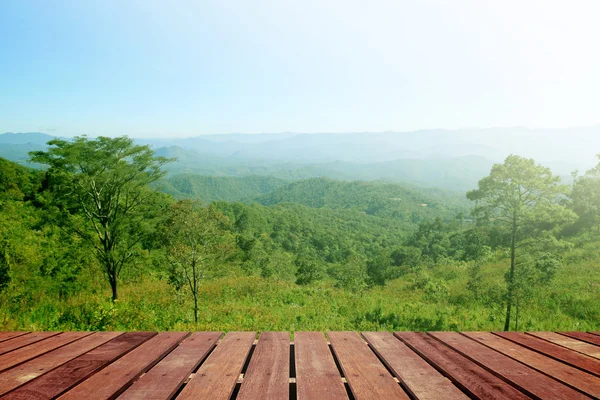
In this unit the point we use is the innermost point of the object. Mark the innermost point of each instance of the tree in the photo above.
(586, 198)
(197, 240)
(523, 198)
(102, 188)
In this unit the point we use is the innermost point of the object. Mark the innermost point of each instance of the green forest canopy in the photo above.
(368, 255)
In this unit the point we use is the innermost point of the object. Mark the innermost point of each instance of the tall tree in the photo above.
(197, 240)
(102, 186)
(525, 199)
(586, 198)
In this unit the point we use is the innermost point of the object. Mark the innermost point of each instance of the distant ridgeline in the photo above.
(453, 160)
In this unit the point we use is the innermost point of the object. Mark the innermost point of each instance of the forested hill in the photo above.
(375, 198)
(212, 188)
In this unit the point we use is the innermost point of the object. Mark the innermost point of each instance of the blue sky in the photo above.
(183, 68)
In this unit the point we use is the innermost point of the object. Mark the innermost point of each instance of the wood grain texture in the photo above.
(317, 376)
(21, 374)
(66, 376)
(583, 336)
(467, 375)
(581, 361)
(573, 377)
(9, 335)
(18, 356)
(268, 374)
(366, 376)
(24, 340)
(422, 380)
(530, 381)
(112, 380)
(216, 378)
(569, 343)
(166, 377)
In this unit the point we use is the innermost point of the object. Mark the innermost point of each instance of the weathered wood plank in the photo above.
(9, 335)
(21, 374)
(530, 381)
(573, 377)
(421, 380)
(467, 375)
(585, 337)
(268, 374)
(66, 376)
(116, 377)
(216, 378)
(366, 376)
(569, 343)
(317, 377)
(575, 359)
(24, 340)
(25, 353)
(166, 377)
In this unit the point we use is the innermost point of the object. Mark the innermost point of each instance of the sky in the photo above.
(183, 68)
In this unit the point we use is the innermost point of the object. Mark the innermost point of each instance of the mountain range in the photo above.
(448, 159)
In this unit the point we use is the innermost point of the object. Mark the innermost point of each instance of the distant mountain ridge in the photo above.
(449, 159)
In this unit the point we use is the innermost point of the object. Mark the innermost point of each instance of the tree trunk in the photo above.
(195, 308)
(113, 286)
(511, 276)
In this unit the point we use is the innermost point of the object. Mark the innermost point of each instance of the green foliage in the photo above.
(213, 188)
(101, 185)
(524, 199)
(351, 256)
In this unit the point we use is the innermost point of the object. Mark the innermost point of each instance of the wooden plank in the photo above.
(569, 343)
(9, 335)
(116, 377)
(419, 378)
(66, 376)
(24, 340)
(164, 379)
(317, 377)
(366, 376)
(19, 375)
(467, 375)
(573, 377)
(585, 337)
(216, 378)
(527, 379)
(23, 354)
(268, 374)
(573, 358)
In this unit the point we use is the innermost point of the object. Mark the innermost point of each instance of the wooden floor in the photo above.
(338, 365)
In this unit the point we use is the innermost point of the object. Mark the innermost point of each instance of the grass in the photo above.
(434, 300)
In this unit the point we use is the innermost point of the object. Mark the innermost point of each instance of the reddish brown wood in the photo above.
(595, 333)
(581, 361)
(216, 378)
(9, 335)
(66, 376)
(164, 379)
(116, 377)
(24, 340)
(573, 377)
(418, 377)
(317, 377)
(468, 376)
(569, 343)
(527, 379)
(21, 374)
(366, 376)
(268, 374)
(23, 354)
(585, 337)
